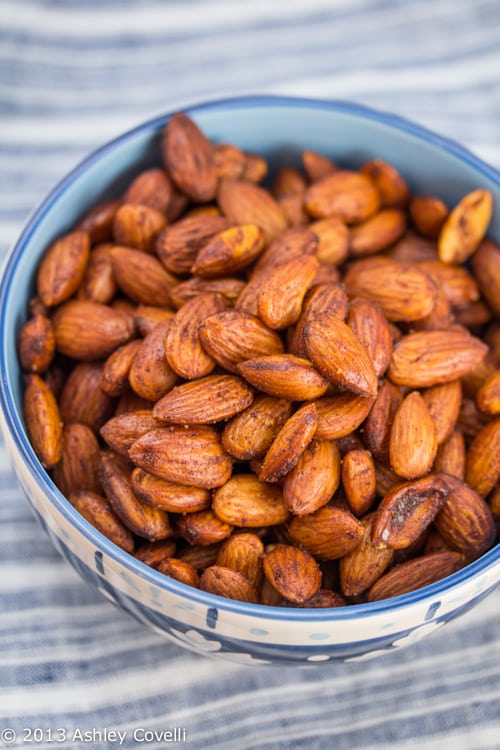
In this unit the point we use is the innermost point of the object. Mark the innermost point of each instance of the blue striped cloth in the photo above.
(74, 74)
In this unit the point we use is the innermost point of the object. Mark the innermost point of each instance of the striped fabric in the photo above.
(74, 74)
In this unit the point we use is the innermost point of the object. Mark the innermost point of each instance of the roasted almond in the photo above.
(137, 226)
(170, 496)
(82, 399)
(407, 510)
(465, 227)
(329, 533)
(377, 232)
(284, 376)
(428, 215)
(141, 277)
(247, 502)
(114, 375)
(488, 395)
(36, 344)
(228, 288)
(459, 287)
(289, 181)
(200, 557)
(339, 355)
(152, 188)
(289, 444)
(358, 480)
(243, 202)
(98, 512)
(250, 434)
(188, 156)
(450, 457)
(123, 430)
(372, 329)
(78, 468)
(465, 521)
(391, 185)
(482, 470)
(361, 567)
(43, 421)
(230, 251)
(413, 441)
(150, 374)
(293, 572)
(62, 268)
(350, 196)
(320, 298)
(316, 165)
(228, 583)
(486, 267)
(191, 455)
(378, 423)
(443, 402)
(232, 337)
(333, 240)
(244, 554)
(86, 330)
(179, 244)
(98, 221)
(427, 358)
(340, 415)
(255, 168)
(414, 574)
(229, 161)
(286, 247)
(314, 478)
(98, 283)
(180, 571)
(283, 289)
(204, 401)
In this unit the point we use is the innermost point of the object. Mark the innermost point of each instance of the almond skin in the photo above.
(175, 498)
(483, 459)
(247, 502)
(283, 289)
(338, 416)
(347, 195)
(141, 277)
(329, 533)
(250, 434)
(243, 202)
(413, 441)
(183, 348)
(465, 521)
(98, 512)
(284, 376)
(361, 567)
(465, 227)
(232, 337)
(314, 478)
(293, 572)
(123, 430)
(62, 268)
(414, 574)
(86, 330)
(230, 251)
(188, 156)
(204, 401)
(43, 421)
(137, 226)
(179, 244)
(407, 510)
(78, 468)
(289, 444)
(339, 355)
(358, 480)
(427, 358)
(191, 456)
(150, 375)
(228, 583)
(36, 344)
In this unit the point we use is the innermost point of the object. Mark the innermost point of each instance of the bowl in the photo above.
(249, 634)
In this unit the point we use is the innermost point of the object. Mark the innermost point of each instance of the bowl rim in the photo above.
(13, 423)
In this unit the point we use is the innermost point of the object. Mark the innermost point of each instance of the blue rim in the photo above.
(16, 427)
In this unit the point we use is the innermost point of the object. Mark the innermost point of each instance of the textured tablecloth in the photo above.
(73, 74)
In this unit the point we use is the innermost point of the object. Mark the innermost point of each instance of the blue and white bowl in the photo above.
(279, 128)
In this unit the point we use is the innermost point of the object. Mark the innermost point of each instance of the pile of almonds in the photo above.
(284, 395)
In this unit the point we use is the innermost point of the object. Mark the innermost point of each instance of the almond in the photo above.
(98, 283)
(202, 529)
(392, 187)
(443, 402)
(428, 215)
(316, 166)
(244, 554)
(361, 567)
(486, 267)
(82, 400)
(114, 375)
(183, 348)
(324, 598)
(98, 221)
(188, 156)
(250, 434)
(150, 374)
(450, 457)
(256, 168)
(465, 227)
(243, 202)
(141, 277)
(247, 502)
(289, 181)
(148, 523)
(179, 244)
(358, 480)
(43, 421)
(170, 496)
(407, 510)
(378, 423)
(86, 330)
(78, 468)
(228, 583)
(62, 268)
(377, 232)
(180, 571)
(332, 239)
(329, 533)
(191, 455)
(339, 355)
(123, 430)
(483, 459)
(427, 358)
(152, 188)
(293, 572)
(459, 287)
(347, 195)
(289, 444)
(372, 329)
(204, 401)
(403, 293)
(229, 161)
(229, 251)
(294, 243)
(340, 415)
(284, 376)
(314, 478)
(98, 512)
(488, 395)
(36, 344)
(412, 248)
(232, 337)
(137, 226)
(414, 574)
(283, 289)
(228, 288)
(413, 441)
(321, 298)
(465, 521)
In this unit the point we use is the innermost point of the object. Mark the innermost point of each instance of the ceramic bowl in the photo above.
(279, 128)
